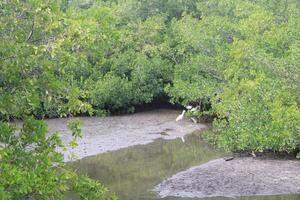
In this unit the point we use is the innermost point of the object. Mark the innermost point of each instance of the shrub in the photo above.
(31, 167)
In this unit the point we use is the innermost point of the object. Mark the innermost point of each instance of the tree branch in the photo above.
(32, 30)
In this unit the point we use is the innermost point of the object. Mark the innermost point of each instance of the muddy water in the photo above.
(132, 172)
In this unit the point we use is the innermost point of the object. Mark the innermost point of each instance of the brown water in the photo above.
(133, 172)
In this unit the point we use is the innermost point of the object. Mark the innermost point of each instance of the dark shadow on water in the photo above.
(133, 172)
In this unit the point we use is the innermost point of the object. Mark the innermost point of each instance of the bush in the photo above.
(111, 92)
(31, 167)
(236, 59)
(242, 58)
(258, 114)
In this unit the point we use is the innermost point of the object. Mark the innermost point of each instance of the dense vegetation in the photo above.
(31, 167)
(237, 60)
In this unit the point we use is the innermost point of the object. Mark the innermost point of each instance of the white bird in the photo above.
(194, 109)
(189, 107)
(180, 117)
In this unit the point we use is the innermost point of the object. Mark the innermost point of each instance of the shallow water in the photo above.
(133, 172)
(143, 151)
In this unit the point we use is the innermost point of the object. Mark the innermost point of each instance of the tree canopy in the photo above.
(237, 60)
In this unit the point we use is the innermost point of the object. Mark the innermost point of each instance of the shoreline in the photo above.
(103, 134)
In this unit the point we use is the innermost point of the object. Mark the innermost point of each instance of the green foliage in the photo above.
(258, 109)
(32, 36)
(242, 57)
(234, 59)
(111, 92)
(51, 70)
(31, 167)
(258, 115)
(199, 57)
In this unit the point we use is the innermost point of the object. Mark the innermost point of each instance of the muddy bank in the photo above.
(238, 177)
(102, 134)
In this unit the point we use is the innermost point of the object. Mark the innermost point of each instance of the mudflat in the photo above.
(242, 176)
(103, 134)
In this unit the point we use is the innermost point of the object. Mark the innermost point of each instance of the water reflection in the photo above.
(132, 172)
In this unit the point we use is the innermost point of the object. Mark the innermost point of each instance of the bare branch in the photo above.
(32, 30)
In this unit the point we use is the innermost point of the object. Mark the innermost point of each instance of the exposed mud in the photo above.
(102, 134)
(237, 177)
